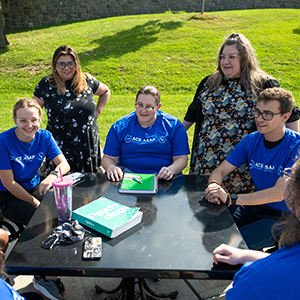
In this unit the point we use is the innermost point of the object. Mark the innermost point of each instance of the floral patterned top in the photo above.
(73, 124)
(223, 117)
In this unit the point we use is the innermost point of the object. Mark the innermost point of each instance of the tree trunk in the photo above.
(3, 40)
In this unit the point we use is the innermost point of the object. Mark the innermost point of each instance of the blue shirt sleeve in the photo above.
(112, 145)
(239, 156)
(180, 141)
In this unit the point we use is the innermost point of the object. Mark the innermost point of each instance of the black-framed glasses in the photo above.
(266, 115)
(230, 57)
(69, 64)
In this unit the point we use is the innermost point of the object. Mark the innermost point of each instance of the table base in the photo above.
(127, 291)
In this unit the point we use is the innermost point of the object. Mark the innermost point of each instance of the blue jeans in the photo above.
(255, 224)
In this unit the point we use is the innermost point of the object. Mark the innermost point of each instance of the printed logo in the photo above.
(127, 138)
(41, 156)
(162, 139)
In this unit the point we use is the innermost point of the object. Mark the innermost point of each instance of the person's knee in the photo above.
(3, 240)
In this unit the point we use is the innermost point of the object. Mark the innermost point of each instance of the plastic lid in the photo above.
(67, 181)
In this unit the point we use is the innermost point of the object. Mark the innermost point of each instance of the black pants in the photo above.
(18, 210)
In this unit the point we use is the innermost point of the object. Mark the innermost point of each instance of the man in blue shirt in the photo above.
(268, 152)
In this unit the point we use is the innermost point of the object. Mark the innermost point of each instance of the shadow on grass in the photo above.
(127, 41)
(296, 30)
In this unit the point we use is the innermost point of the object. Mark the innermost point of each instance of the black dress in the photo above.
(73, 124)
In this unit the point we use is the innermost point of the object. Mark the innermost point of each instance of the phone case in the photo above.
(92, 248)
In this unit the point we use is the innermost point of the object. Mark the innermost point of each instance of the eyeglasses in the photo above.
(62, 65)
(230, 57)
(266, 115)
(287, 173)
(32, 121)
(148, 108)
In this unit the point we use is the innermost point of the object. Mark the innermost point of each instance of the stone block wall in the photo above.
(19, 14)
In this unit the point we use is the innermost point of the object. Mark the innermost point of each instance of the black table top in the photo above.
(178, 233)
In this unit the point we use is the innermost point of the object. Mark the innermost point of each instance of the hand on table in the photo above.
(166, 173)
(228, 254)
(114, 173)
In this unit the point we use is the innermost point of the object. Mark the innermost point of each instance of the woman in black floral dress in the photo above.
(68, 96)
(222, 109)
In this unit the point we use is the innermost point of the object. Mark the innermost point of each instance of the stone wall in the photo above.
(19, 14)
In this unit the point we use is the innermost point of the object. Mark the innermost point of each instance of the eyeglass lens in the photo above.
(62, 65)
(230, 57)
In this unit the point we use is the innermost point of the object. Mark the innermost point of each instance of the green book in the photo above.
(107, 217)
(134, 183)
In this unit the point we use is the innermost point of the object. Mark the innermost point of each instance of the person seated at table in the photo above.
(146, 141)
(270, 276)
(23, 149)
(267, 151)
(7, 292)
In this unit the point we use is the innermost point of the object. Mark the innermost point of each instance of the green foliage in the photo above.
(172, 51)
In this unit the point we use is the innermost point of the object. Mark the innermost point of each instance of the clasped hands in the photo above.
(214, 193)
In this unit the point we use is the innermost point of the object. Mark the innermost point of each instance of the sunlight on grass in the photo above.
(172, 51)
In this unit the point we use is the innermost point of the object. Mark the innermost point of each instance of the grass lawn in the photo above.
(172, 51)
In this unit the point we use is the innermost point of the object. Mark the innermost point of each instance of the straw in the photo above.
(60, 174)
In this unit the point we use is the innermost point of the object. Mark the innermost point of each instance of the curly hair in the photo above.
(291, 225)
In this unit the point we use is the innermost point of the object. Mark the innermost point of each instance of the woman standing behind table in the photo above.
(222, 109)
(146, 141)
(68, 96)
(23, 149)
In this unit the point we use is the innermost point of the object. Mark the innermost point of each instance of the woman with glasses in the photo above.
(270, 276)
(222, 109)
(146, 141)
(23, 149)
(68, 96)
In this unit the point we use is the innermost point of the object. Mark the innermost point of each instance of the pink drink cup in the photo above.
(63, 197)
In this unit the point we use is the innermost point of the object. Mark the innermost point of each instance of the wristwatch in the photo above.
(231, 199)
(234, 198)
(54, 172)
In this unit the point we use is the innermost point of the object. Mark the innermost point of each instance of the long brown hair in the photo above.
(79, 80)
(291, 231)
(252, 77)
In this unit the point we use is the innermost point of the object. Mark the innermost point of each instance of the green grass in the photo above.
(172, 51)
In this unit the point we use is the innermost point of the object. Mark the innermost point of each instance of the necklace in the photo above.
(24, 144)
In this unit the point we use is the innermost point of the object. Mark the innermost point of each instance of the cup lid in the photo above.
(67, 181)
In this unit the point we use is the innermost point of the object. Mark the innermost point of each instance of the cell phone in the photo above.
(75, 177)
(92, 248)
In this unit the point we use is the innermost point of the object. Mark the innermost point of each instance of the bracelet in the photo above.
(54, 172)
(213, 181)
(228, 200)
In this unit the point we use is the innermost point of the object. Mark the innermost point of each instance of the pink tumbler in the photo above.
(63, 197)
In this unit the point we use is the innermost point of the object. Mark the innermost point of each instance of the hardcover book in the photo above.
(108, 217)
(134, 183)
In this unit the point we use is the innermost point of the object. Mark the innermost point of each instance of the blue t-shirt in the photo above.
(146, 150)
(275, 277)
(7, 292)
(24, 159)
(265, 164)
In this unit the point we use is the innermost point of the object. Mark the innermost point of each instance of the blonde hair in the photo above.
(252, 77)
(78, 84)
(27, 102)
